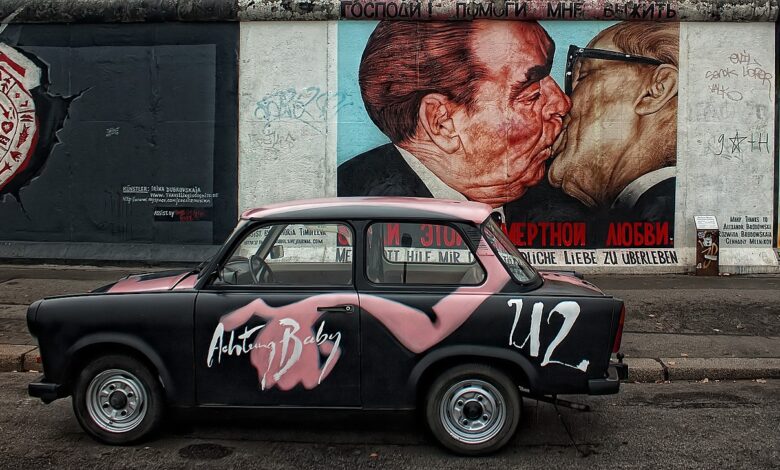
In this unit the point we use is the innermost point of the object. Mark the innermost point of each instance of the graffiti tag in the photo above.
(287, 342)
(734, 146)
(569, 310)
(286, 350)
(725, 92)
(309, 106)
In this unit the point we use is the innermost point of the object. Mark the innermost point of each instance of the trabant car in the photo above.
(353, 303)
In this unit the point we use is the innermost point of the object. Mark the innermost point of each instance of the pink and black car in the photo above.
(365, 303)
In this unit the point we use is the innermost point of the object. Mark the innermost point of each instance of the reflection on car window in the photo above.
(293, 254)
(414, 253)
(513, 260)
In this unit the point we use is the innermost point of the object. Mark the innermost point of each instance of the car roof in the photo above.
(373, 208)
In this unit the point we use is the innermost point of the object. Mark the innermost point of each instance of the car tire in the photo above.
(118, 400)
(473, 409)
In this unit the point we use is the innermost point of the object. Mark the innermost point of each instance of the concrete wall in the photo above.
(725, 131)
(726, 145)
(140, 153)
(287, 126)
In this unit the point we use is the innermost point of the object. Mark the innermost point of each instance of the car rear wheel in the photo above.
(473, 409)
(117, 400)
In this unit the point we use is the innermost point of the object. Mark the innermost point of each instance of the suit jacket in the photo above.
(379, 172)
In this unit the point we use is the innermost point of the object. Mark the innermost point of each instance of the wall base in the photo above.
(143, 253)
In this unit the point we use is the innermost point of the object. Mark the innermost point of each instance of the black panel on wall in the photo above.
(146, 136)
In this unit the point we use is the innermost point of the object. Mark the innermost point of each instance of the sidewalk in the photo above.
(677, 327)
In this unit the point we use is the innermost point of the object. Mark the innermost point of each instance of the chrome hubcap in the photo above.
(473, 411)
(116, 401)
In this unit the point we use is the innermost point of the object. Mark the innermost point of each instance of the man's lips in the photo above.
(560, 142)
(543, 154)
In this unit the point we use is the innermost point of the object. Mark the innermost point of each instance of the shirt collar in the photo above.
(628, 198)
(435, 185)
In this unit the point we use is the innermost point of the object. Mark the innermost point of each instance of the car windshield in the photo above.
(512, 259)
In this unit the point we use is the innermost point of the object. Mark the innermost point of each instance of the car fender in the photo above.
(436, 357)
(127, 341)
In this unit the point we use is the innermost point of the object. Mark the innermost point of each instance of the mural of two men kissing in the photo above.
(575, 145)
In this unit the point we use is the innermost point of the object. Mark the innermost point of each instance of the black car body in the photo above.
(368, 303)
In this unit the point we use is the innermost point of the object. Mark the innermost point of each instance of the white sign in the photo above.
(706, 222)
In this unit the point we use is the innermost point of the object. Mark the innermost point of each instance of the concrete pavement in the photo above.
(678, 327)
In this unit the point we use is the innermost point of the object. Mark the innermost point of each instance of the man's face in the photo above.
(592, 151)
(507, 134)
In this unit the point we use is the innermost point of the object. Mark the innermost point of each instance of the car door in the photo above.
(421, 286)
(277, 324)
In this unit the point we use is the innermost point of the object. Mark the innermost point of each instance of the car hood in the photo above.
(158, 281)
(567, 283)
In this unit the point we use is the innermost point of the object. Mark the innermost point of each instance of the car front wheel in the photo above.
(473, 409)
(117, 400)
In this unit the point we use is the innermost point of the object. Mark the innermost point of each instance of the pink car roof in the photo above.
(471, 211)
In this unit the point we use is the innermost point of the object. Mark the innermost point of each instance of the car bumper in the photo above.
(46, 391)
(616, 372)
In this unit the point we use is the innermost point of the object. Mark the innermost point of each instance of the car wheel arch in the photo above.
(93, 346)
(517, 366)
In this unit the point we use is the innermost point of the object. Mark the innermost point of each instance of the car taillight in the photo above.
(619, 334)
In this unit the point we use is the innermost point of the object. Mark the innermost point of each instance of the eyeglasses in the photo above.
(576, 53)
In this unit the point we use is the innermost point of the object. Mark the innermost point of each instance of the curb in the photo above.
(19, 358)
(666, 369)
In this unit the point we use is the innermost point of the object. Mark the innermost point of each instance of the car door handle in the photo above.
(337, 309)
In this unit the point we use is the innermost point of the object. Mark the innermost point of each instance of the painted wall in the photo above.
(638, 148)
(118, 134)
(157, 135)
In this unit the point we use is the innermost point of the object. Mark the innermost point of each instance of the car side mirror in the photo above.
(277, 252)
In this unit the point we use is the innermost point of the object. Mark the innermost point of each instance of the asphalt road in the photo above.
(677, 425)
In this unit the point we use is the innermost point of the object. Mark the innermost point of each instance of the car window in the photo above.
(511, 258)
(414, 253)
(310, 254)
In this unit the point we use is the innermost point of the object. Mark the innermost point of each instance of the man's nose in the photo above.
(557, 104)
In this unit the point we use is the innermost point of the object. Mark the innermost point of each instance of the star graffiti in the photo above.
(736, 142)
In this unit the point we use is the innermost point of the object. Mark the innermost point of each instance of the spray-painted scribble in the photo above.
(738, 144)
(309, 106)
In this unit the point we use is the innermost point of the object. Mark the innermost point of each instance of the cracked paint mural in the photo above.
(29, 119)
(117, 134)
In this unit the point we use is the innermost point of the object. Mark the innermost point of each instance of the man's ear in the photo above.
(661, 88)
(434, 117)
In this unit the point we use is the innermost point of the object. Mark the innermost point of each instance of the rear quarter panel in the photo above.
(559, 343)
(567, 340)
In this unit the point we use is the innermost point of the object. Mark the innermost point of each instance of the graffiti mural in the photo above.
(568, 131)
(287, 348)
(25, 137)
(119, 134)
